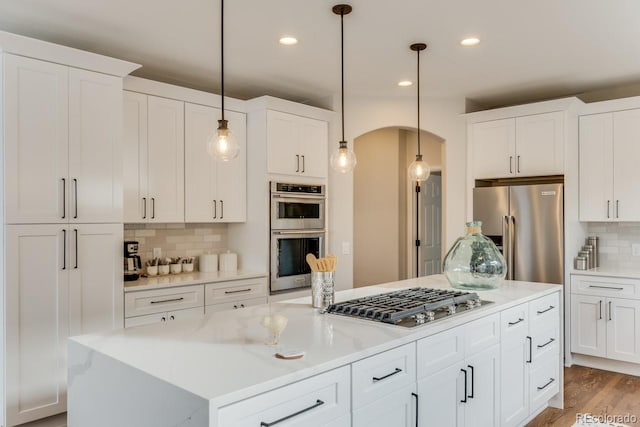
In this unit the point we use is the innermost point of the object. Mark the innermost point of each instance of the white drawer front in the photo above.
(222, 292)
(235, 305)
(605, 286)
(544, 341)
(482, 333)
(162, 300)
(145, 320)
(439, 351)
(316, 401)
(544, 382)
(514, 322)
(382, 374)
(545, 312)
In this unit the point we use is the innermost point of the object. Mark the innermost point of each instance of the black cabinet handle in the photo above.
(235, 306)
(465, 386)
(510, 164)
(172, 317)
(608, 205)
(295, 414)
(600, 310)
(617, 208)
(472, 381)
(547, 343)
(144, 208)
(610, 311)
(221, 209)
(530, 349)
(551, 380)
(237, 291)
(518, 160)
(612, 288)
(297, 163)
(64, 198)
(167, 300)
(75, 231)
(520, 319)
(544, 311)
(153, 208)
(215, 209)
(241, 305)
(163, 319)
(75, 192)
(64, 249)
(376, 379)
(302, 164)
(417, 407)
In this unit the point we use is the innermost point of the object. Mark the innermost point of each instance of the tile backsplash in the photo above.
(615, 243)
(184, 240)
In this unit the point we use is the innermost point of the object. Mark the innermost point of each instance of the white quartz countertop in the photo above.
(612, 271)
(185, 279)
(222, 356)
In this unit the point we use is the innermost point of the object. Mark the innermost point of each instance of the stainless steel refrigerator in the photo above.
(527, 224)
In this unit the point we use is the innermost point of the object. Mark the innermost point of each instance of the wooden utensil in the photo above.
(313, 262)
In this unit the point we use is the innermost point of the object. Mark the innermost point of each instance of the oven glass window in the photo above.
(292, 254)
(289, 210)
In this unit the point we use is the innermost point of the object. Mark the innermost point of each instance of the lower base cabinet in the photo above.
(440, 397)
(167, 316)
(397, 409)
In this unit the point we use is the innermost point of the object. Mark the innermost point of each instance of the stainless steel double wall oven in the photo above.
(297, 228)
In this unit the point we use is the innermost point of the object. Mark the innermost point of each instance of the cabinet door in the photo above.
(314, 140)
(540, 144)
(440, 397)
(37, 266)
(283, 156)
(136, 202)
(596, 167)
(588, 326)
(514, 381)
(483, 407)
(165, 131)
(231, 178)
(396, 409)
(190, 313)
(623, 330)
(626, 152)
(96, 297)
(201, 204)
(148, 319)
(494, 149)
(95, 147)
(36, 135)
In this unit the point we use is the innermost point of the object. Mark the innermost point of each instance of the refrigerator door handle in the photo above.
(512, 245)
(506, 239)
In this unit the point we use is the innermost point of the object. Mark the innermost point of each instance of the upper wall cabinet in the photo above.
(67, 168)
(215, 191)
(609, 152)
(154, 159)
(518, 147)
(296, 145)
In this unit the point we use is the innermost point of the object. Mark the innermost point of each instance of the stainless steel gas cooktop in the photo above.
(409, 307)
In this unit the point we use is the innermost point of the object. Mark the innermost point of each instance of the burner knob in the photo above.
(471, 303)
(451, 309)
(420, 318)
(431, 316)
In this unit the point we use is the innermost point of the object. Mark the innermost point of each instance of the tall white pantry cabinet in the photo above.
(61, 123)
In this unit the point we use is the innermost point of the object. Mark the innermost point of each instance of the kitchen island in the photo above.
(217, 371)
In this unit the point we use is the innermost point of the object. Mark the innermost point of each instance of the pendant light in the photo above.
(419, 170)
(342, 160)
(222, 144)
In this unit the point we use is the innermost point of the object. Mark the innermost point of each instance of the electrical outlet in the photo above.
(346, 248)
(157, 252)
(635, 249)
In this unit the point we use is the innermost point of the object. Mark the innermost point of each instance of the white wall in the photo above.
(366, 113)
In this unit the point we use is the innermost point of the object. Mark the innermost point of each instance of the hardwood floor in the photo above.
(593, 391)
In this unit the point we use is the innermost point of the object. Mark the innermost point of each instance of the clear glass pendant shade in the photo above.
(343, 159)
(222, 144)
(419, 170)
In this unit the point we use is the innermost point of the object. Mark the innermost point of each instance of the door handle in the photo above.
(144, 208)
(166, 300)
(472, 381)
(547, 343)
(417, 407)
(237, 292)
(551, 380)
(295, 414)
(610, 318)
(75, 197)
(75, 231)
(376, 379)
(215, 209)
(512, 245)
(465, 386)
(520, 319)
(153, 208)
(608, 206)
(510, 164)
(506, 244)
(617, 208)
(302, 164)
(530, 349)
(64, 198)
(221, 209)
(544, 311)
(64, 249)
(297, 163)
(600, 310)
(518, 164)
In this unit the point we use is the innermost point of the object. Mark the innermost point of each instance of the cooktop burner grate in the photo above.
(409, 307)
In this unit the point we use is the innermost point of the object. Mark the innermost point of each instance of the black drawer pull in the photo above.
(376, 379)
(544, 311)
(547, 343)
(551, 380)
(606, 287)
(237, 292)
(516, 322)
(167, 300)
(288, 417)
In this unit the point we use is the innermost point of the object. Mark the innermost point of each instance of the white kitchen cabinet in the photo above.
(623, 329)
(234, 305)
(518, 147)
(215, 191)
(162, 300)
(515, 380)
(135, 150)
(588, 327)
(164, 316)
(608, 178)
(296, 145)
(396, 409)
(483, 398)
(441, 397)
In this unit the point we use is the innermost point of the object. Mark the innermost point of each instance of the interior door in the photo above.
(135, 199)
(231, 176)
(494, 148)
(95, 147)
(483, 407)
(431, 226)
(588, 327)
(540, 144)
(313, 140)
(623, 329)
(36, 141)
(626, 152)
(283, 154)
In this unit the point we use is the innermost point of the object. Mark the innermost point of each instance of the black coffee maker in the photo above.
(132, 262)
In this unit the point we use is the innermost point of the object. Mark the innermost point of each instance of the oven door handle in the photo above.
(299, 196)
(299, 232)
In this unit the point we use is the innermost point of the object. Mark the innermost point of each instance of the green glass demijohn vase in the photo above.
(474, 262)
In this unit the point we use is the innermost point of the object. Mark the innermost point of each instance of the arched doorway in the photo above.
(386, 206)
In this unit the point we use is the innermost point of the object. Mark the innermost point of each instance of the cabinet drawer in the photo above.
(544, 341)
(382, 374)
(545, 312)
(190, 313)
(514, 322)
(605, 286)
(163, 300)
(544, 382)
(234, 305)
(148, 319)
(316, 401)
(222, 292)
(482, 333)
(439, 351)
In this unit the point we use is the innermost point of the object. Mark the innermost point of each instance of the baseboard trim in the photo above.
(606, 364)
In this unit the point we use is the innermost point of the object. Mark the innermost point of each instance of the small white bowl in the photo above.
(187, 268)
(176, 268)
(163, 270)
(152, 270)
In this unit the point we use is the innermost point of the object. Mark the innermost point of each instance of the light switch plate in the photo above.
(346, 248)
(635, 249)
(157, 252)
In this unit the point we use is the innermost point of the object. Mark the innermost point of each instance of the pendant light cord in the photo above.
(222, 55)
(418, 85)
(342, 65)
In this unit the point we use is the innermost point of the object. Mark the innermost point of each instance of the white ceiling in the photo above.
(530, 49)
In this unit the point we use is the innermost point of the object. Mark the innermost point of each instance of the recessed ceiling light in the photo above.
(405, 83)
(470, 41)
(288, 40)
